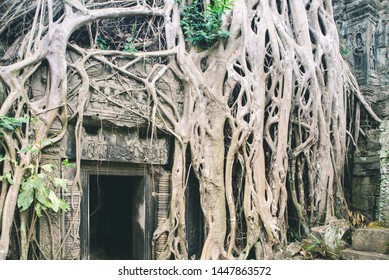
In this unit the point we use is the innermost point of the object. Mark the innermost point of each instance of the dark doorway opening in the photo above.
(116, 217)
(194, 218)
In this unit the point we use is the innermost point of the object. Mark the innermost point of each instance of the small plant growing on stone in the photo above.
(35, 191)
(129, 45)
(101, 43)
(202, 25)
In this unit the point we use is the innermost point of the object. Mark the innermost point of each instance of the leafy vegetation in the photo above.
(129, 45)
(10, 123)
(202, 26)
(101, 43)
(35, 188)
(315, 248)
(6, 176)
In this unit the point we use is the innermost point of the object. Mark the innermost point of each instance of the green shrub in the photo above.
(202, 26)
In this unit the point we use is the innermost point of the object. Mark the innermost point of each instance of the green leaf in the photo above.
(27, 185)
(42, 195)
(22, 120)
(11, 123)
(224, 34)
(66, 163)
(55, 202)
(59, 182)
(63, 205)
(8, 126)
(309, 248)
(47, 167)
(34, 182)
(25, 150)
(203, 26)
(315, 238)
(129, 48)
(38, 209)
(25, 198)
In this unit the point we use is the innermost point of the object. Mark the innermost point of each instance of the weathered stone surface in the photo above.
(364, 195)
(279, 256)
(361, 28)
(366, 175)
(118, 144)
(361, 172)
(292, 249)
(373, 145)
(334, 234)
(368, 159)
(364, 43)
(369, 166)
(371, 239)
(124, 148)
(383, 203)
(350, 254)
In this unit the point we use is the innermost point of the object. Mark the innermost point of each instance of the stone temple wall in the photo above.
(363, 27)
(116, 139)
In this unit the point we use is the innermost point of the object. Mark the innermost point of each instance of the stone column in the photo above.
(162, 210)
(383, 204)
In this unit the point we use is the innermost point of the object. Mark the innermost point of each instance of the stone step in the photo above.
(350, 254)
(371, 240)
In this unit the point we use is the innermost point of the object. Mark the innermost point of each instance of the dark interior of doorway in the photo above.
(113, 217)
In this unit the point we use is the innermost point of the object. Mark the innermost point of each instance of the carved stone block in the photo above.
(383, 206)
(71, 226)
(119, 147)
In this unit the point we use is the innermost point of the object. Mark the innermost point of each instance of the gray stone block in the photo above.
(292, 249)
(372, 240)
(350, 254)
(367, 160)
(373, 145)
(362, 173)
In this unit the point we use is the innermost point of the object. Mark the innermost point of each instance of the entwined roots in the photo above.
(268, 125)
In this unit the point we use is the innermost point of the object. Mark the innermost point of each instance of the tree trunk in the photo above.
(212, 187)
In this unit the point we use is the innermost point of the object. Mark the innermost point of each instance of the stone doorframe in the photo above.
(89, 168)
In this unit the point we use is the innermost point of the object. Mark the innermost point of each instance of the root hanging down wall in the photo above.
(258, 110)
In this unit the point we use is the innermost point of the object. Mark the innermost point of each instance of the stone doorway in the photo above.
(116, 217)
(116, 212)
